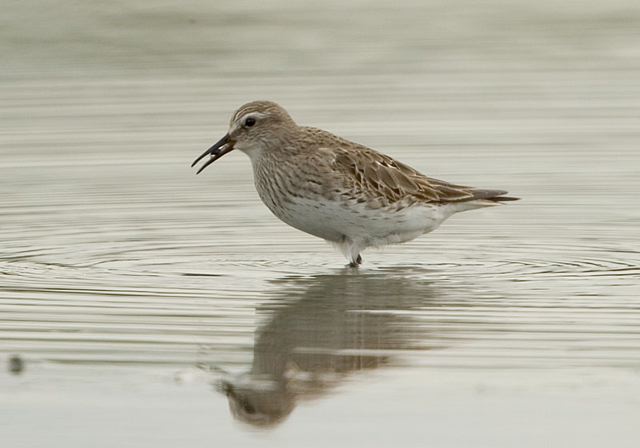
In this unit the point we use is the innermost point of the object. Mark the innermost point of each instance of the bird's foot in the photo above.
(357, 262)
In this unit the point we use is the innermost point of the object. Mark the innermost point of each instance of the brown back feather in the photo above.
(386, 180)
(383, 177)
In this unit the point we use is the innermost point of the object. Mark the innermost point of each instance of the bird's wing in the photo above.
(381, 177)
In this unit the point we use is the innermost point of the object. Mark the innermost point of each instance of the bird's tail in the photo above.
(494, 196)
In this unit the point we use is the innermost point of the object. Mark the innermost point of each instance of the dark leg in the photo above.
(356, 263)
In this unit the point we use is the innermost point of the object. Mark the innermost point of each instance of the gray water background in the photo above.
(138, 295)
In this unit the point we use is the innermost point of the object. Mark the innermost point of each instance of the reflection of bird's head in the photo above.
(260, 405)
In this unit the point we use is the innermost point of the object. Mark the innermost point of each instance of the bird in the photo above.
(343, 192)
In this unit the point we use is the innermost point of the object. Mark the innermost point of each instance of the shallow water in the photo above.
(150, 307)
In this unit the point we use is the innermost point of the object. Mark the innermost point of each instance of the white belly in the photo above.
(334, 221)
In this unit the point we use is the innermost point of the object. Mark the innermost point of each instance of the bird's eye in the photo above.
(250, 121)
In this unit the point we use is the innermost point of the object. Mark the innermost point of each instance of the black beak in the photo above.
(220, 148)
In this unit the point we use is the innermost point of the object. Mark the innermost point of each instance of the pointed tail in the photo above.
(493, 195)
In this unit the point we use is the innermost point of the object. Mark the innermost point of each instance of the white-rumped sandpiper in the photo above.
(343, 192)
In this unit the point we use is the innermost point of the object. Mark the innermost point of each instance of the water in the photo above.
(141, 305)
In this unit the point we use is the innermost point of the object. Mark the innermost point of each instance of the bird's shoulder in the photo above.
(377, 175)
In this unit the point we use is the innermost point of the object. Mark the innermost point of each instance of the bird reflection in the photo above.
(321, 329)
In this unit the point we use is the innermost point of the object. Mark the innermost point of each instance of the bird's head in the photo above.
(253, 128)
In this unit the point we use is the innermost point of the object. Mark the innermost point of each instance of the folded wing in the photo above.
(381, 177)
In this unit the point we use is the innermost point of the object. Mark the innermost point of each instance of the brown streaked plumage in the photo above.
(341, 191)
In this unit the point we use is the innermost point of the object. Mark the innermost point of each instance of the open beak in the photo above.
(220, 148)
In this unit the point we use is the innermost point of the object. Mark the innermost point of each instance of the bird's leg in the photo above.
(355, 263)
(351, 249)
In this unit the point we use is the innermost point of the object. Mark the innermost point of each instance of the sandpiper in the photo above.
(338, 190)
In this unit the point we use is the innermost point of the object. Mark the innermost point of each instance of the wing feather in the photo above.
(369, 176)
(381, 177)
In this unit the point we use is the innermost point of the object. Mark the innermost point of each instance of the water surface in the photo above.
(151, 307)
